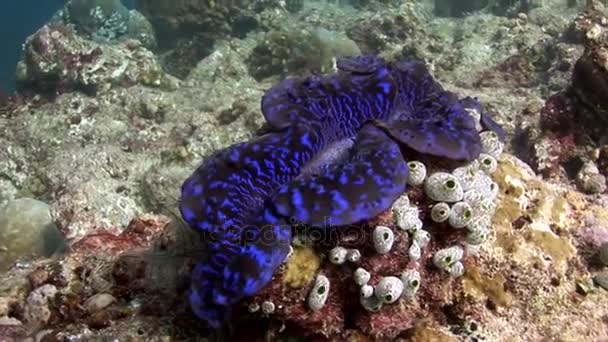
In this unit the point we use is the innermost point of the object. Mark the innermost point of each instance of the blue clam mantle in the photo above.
(334, 158)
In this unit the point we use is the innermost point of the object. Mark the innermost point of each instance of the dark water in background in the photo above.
(18, 20)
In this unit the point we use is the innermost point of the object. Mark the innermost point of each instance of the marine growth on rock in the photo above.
(337, 155)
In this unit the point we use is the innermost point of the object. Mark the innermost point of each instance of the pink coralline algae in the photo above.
(141, 232)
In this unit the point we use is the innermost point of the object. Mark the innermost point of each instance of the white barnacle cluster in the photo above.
(388, 290)
(463, 198)
(339, 255)
(466, 198)
(449, 260)
(408, 219)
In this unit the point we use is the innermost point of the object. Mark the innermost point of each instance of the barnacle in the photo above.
(443, 187)
(417, 173)
(440, 212)
(461, 214)
(318, 295)
(389, 289)
(268, 307)
(415, 251)
(411, 282)
(333, 158)
(456, 269)
(445, 258)
(353, 255)
(362, 276)
(366, 291)
(422, 237)
(478, 236)
(487, 163)
(337, 255)
(491, 144)
(383, 239)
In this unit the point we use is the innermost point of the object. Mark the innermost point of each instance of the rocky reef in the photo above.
(100, 137)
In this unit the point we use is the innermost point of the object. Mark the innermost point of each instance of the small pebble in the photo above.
(99, 302)
(601, 280)
(603, 253)
(590, 180)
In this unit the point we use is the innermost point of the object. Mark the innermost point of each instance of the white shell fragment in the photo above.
(411, 282)
(443, 187)
(491, 144)
(366, 291)
(440, 212)
(353, 255)
(417, 173)
(337, 255)
(318, 295)
(389, 289)
(444, 258)
(383, 239)
(362, 276)
(461, 215)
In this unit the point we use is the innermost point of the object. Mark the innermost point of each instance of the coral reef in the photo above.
(57, 60)
(215, 20)
(569, 139)
(100, 162)
(288, 175)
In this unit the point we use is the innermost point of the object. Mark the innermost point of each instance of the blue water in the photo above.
(18, 20)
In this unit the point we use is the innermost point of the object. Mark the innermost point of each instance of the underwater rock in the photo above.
(57, 60)
(27, 229)
(448, 8)
(211, 20)
(589, 179)
(298, 51)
